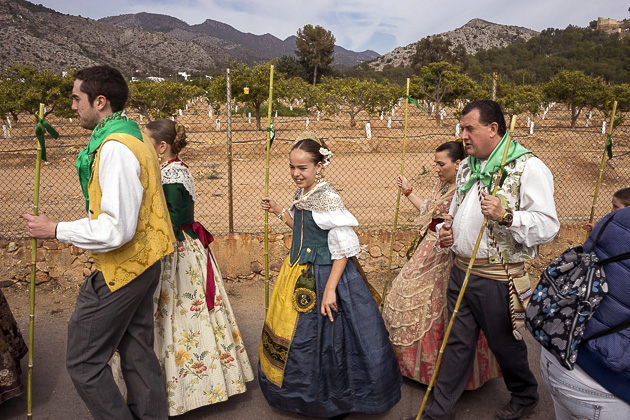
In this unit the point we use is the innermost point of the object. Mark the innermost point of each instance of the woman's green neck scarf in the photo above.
(114, 123)
(493, 164)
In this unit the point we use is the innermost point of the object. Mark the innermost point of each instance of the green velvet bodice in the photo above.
(310, 242)
(181, 208)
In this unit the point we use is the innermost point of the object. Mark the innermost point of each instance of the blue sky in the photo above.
(359, 24)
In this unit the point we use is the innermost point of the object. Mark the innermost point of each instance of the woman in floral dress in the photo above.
(196, 337)
(197, 340)
(12, 349)
(415, 310)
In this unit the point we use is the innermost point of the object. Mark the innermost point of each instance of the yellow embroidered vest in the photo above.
(154, 235)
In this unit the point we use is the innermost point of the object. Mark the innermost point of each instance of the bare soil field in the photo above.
(362, 169)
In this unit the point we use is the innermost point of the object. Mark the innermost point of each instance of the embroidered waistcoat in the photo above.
(509, 194)
(154, 235)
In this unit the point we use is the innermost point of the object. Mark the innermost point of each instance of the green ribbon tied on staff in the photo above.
(609, 146)
(415, 102)
(272, 134)
(42, 126)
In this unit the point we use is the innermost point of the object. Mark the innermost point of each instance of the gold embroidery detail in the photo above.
(304, 300)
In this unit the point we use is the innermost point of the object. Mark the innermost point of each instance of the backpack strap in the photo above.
(599, 234)
(615, 258)
(616, 328)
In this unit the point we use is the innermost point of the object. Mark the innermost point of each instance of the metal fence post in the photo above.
(229, 153)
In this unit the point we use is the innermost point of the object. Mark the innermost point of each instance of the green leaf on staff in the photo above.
(415, 102)
(609, 146)
(272, 134)
(42, 126)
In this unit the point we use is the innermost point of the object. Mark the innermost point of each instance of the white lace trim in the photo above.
(323, 197)
(177, 173)
(343, 242)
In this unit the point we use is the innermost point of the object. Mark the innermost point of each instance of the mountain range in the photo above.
(139, 43)
(148, 43)
(228, 44)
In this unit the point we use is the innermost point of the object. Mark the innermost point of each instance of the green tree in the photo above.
(523, 76)
(577, 90)
(554, 50)
(24, 87)
(351, 96)
(216, 92)
(257, 80)
(516, 99)
(160, 99)
(295, 88)
(442, 84)
(621, 94)
(292, 67)
(435, 49)
(315, 47)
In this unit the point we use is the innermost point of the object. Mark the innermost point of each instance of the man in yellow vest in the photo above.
(128, 231)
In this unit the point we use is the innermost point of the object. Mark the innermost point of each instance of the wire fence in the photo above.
(367, 158)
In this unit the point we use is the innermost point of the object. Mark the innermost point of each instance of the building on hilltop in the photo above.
(609, 26)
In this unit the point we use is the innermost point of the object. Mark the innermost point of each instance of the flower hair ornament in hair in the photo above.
(327, 156)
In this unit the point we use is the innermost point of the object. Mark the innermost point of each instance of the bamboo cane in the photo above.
(402, 171)
(603, 164)
(497, 179)
(31, 323)
(267, 188)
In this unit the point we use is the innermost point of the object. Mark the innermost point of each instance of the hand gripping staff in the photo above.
(40, 130)
(497, 178)
(269, 141)
(607, 151)
(402, 171)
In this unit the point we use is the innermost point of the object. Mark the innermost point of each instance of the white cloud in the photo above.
(358, 24)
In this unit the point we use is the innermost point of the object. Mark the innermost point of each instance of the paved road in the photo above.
(54, 397)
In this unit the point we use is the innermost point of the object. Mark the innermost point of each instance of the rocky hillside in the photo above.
(35, 34)
(475, 36)
(236, 45)
(143, 43)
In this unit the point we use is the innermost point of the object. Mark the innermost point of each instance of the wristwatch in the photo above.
(507, 218)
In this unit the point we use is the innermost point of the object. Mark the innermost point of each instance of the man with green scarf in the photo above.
(521, 216)
(128, 231)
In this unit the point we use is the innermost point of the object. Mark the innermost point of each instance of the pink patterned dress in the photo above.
(415, 311)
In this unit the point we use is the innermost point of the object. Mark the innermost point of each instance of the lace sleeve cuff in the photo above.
(343, 242)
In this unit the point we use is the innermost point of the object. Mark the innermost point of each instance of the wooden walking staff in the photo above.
(601, 168)
(40, 129)
(269, 141)
(496, 179)
(402, 171)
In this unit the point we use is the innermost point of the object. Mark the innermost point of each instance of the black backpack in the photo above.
(570, 290)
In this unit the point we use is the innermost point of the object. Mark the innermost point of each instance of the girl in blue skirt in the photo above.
(324, 350)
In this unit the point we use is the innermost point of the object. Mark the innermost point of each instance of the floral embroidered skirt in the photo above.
(416, 317)
(345, 366)
(12, 349)
(201, 351)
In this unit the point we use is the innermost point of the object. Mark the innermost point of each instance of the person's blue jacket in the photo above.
(607, 359)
